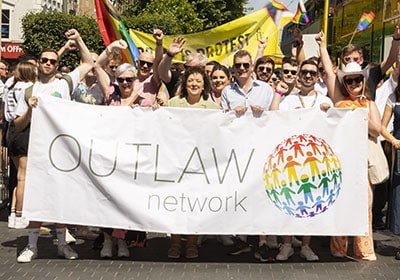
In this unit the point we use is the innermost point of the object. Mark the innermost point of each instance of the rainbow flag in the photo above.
(273, 7)
(301, 15)
(365, 21)
(112, 28)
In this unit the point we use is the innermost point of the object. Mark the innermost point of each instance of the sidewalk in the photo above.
(213, 263)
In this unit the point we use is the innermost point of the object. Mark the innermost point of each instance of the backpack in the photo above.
(28, 90)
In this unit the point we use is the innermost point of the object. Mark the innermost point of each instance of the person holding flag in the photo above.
(354, 53)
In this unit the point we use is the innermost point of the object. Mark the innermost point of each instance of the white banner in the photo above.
(198, 171)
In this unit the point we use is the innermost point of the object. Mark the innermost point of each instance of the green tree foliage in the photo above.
(181, 16)
(46, 30)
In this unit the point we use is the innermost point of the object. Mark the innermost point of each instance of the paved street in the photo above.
(214, 263)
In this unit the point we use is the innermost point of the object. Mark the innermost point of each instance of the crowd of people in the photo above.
(246, 85)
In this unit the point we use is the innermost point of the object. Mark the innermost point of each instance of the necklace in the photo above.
(302, 100)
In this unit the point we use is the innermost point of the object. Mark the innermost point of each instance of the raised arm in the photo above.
(297, 46)
(262, 44)
(158, 36)
(165, 65)
(331, 81)
(102, 76)
(394, 50)
(86, 59)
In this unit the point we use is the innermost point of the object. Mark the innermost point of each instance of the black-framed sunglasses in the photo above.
(245, 65)
(293, 72)
(262, 68)
(128, 80)
(143, 63)
(113, 67)
(44, 60)
(311, 72)
(350, 81)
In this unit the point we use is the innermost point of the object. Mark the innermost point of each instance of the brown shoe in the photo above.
(191, 247)
(174, 251)
(192, 252)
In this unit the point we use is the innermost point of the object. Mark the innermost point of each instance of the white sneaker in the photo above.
(308, 254)
(67, 252)
(21, 223)
(285, 252)
(296, 243)
(27, 255)
(11, 221)
(106, 251)
(272, 242)
(123, 251)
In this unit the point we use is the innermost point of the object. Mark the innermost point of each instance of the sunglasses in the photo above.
(275, 80)
(348, 59)
(128, 80)
(262, 68)
(45, 60)
(238, 65)
(321, 69)
(112, 67)
(350, 81)
(143, 63)
(311, 72)
(286, 71)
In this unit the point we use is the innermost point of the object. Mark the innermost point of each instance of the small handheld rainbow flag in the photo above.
(274, 6)
(301, 15)
(365, 21)
(112, 28)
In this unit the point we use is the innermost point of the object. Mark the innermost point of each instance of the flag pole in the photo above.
(352, 36)
(326, 14)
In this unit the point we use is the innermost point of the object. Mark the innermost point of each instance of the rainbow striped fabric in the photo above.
(274, 6)
(112, 28)
(301, 14)
(365, 21)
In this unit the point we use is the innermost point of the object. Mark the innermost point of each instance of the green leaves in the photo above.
(46, 30)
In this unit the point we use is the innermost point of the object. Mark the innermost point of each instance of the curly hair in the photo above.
(196, 70)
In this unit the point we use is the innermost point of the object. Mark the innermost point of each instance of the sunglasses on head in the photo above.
(245, 65)
(143, 63)
(348, 59)
(128, 80)
(286, 71)
(262, 68)
(45, 60)
(311, 72)
(350, 81)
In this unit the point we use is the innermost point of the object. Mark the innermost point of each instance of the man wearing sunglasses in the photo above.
(264, 68)
(148, 81)
(246, 92)
(288, 76)
(307, 96)
(48, 84)
(375, 72)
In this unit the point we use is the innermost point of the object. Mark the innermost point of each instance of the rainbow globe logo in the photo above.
(303, 176)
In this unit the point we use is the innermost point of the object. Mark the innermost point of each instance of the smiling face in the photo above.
(289, 73)
(243, 67)
(125, 83)
(145, 64)
(194, 86)
(219, 80)
(354, 84)
(264, 71)
(308, 75)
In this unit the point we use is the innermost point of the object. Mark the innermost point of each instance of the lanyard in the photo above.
(302, 100)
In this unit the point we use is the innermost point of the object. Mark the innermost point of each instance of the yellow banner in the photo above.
(221, 43)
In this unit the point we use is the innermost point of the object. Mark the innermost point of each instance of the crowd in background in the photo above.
(253, 82)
